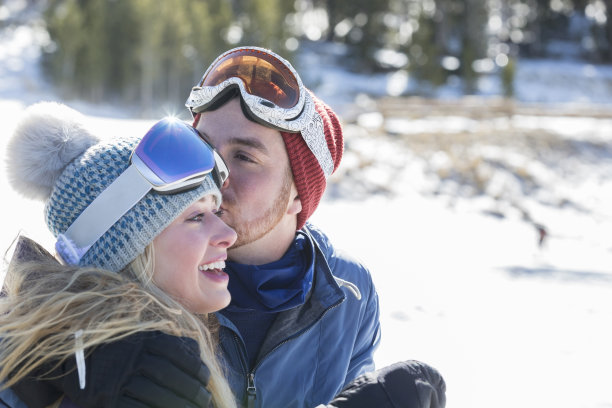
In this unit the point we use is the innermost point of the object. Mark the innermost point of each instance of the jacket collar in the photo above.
(28, 250)
(325, 294)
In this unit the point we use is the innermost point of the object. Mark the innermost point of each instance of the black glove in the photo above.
(408, 384)
(150, 369)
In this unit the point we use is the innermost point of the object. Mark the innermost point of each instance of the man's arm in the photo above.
(368, 337)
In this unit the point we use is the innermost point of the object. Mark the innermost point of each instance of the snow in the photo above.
(507, 325)
(463, 284)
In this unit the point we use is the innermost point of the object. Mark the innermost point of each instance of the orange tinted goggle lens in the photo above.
(263, 75)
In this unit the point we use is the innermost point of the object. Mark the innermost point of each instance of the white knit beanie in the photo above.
(54, 156)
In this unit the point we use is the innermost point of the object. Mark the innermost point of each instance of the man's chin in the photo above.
(237, 244)
(245, 238)
(237, 252)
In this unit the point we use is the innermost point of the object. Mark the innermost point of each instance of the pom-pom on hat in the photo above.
(54, 156)
(308, 174)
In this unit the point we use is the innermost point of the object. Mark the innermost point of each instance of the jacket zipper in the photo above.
(251, 390)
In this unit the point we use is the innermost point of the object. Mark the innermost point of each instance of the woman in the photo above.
(141, 253)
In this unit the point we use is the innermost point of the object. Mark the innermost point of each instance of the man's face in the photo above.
(257, 200)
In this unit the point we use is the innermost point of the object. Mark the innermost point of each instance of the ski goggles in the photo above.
(172, 157)
(271, 93)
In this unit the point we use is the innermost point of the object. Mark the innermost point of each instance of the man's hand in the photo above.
(408, 384)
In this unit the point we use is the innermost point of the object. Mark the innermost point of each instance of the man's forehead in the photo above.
(228, 126)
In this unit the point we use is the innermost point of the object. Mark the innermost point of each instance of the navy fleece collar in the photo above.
(276, 286)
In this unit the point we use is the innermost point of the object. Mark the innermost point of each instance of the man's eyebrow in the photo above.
(241, 141)
(249, 142)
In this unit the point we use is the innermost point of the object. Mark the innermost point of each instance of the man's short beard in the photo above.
(257, 228)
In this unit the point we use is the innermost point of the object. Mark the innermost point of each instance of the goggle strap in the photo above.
(107, 208)
(312, 128)
(314, 136)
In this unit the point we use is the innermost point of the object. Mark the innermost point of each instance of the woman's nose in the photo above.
(223, 236)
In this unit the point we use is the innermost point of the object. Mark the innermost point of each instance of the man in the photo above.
(304, 318)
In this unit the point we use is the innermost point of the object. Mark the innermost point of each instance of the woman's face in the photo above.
(190, 255)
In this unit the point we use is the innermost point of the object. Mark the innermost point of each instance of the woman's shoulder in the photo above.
(28, 250)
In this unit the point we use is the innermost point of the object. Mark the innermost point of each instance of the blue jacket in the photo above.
(312, 351)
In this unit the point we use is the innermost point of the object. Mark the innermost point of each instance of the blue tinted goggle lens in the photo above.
(178, 156)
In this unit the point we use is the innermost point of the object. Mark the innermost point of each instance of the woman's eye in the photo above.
(197, 218)
(219, 212)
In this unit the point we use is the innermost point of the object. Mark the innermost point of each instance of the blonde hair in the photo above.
(46, 303)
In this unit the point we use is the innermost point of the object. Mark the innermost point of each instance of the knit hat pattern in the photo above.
(86, 176)
(308, 175)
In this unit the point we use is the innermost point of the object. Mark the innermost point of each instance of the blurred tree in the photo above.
(264, 22)
(427, 46)
(150, 53)
(208, 21)
(64, 19)
(473, 18)
(92, 55)
(360, 25)
(600, 14)
(450, 37)
(508, 73)
(140, 51)
(333, 15)
(607, 47)
(93, 64)
(122, 30)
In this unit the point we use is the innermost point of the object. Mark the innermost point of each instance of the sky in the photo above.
(462, 282)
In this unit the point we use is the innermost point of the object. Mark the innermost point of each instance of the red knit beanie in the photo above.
(307, 172)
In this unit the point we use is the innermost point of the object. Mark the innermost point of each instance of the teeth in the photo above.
(213, 265)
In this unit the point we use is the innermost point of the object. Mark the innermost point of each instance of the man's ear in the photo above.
(295, 207)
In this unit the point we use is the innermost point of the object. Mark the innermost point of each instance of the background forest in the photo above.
(145, 53)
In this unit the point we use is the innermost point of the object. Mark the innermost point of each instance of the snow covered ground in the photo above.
(463, 284)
